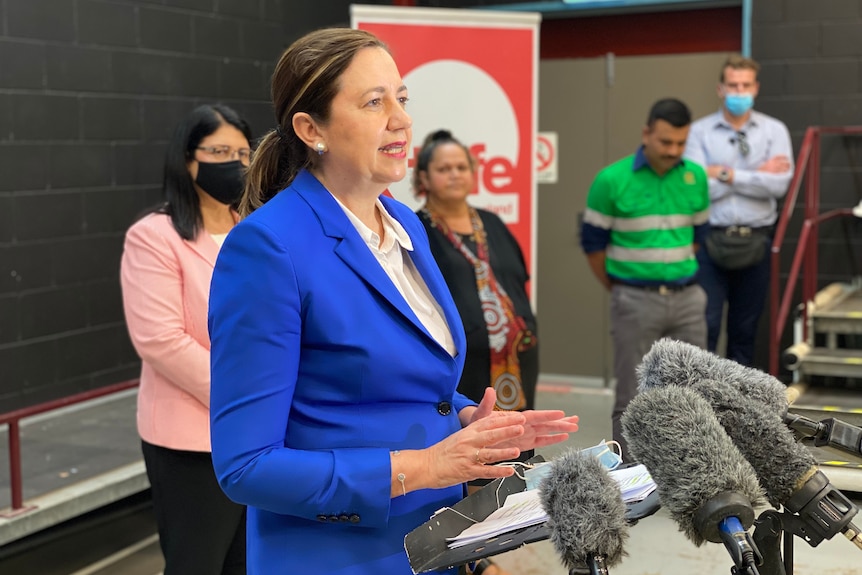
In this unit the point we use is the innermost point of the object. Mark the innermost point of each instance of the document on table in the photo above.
(524, 509)
(520, 510)
(635, 483)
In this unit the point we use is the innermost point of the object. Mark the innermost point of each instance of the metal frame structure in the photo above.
(13, 420)
(805, 256)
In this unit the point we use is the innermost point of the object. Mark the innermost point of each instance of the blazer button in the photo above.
(444, 408)
(354, 518)
(321, 518)
(343, 518)
(333, 518)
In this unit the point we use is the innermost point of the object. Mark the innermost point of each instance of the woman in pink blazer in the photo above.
(165, 272)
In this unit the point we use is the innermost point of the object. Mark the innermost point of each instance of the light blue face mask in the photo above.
(534, 475)
(609, 458)
(738, 104)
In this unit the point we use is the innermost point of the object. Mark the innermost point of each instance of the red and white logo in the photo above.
(472, 73)
(479, 114)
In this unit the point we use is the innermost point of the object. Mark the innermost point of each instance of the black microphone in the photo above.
(786, 468)
(703, 480)
(586, 511)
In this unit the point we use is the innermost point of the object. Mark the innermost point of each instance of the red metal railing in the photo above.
(13, 419)
(805, 257)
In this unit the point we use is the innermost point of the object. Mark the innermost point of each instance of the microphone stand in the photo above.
(829, 432)
(597, 564)
(816, 511)
(593, 565)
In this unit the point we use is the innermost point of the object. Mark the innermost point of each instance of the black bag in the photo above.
(736, 248)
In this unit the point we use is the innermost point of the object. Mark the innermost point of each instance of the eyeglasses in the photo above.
(742, 142)
(225, 153)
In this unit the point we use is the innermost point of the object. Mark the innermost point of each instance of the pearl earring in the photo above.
(321, 147)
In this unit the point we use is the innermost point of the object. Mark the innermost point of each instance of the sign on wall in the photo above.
(474, 73)
(546, 158)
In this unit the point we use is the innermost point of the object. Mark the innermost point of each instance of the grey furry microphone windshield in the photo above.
(586, 511)
(786, 468)
(670, 362)
(704, 482)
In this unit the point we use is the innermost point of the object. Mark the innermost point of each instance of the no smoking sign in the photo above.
(546, 157)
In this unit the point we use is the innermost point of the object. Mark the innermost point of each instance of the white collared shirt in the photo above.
(403, 273)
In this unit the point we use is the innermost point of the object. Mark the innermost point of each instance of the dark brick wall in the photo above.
(811, 53)
(89, 93)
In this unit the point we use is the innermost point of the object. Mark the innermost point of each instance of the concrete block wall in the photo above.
(811, 53)
(89, 93)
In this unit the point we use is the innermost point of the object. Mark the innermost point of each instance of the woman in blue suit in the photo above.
(336, 347)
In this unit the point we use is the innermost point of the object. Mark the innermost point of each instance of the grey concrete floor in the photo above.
(72, 445)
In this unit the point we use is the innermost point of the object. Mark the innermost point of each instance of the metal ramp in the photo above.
(828, 368)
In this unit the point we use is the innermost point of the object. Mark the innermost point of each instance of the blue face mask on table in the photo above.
(738, 104)
(609, 458)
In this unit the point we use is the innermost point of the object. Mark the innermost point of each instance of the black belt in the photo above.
(744, 231)
(663, 289)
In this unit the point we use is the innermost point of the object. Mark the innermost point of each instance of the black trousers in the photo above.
(201, 531)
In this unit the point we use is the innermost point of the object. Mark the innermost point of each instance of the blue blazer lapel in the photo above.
(352, 248)
(430, 272)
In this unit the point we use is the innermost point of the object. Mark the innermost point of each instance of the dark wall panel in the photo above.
(90, 91)
(677, 32)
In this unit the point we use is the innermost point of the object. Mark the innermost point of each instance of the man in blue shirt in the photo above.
(749, 161)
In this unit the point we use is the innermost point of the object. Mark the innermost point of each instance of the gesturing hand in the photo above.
(491, 436)
(541, 427)
(463, 456)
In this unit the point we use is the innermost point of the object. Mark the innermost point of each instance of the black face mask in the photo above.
(223, 180)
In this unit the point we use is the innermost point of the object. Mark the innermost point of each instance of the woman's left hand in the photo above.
(542, 427)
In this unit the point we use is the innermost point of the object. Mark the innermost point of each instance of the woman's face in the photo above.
(368, 132)
(450, 174)
(226, 144)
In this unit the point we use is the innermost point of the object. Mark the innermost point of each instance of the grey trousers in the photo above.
(639, 317)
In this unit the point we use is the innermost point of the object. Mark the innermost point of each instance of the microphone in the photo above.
(752, 406)
(786, 468)
(703, 480)
(672, 362)
(586, 513)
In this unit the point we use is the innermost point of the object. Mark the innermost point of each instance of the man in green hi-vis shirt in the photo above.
(645, 216)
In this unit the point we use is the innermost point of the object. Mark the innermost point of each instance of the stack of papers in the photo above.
(520, 510)
(524, 509)
(635, 483)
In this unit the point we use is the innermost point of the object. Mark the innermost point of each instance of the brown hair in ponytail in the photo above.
(306, 79)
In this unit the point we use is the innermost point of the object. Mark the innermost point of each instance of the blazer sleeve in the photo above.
(152, 286)
(255, 322)
(460, 401)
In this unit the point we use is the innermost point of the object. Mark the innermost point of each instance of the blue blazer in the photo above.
(319, 370)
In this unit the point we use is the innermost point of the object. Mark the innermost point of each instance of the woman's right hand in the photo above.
(461, 457)
(464, 455)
